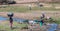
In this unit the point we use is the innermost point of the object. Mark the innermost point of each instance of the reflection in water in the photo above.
(15, 19)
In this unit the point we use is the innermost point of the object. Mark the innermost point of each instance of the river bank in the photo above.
(4, 25)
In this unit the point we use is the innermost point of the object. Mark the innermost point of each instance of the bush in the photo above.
(11, 2)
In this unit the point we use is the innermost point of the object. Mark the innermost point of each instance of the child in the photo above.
(11, 21)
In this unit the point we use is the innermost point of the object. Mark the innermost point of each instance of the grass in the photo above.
(55, 20)
(25, 9)
(13, 9)
(16, 26)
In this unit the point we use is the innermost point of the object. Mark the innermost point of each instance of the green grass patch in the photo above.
(26, 9)
(55, 20)
(16, 26)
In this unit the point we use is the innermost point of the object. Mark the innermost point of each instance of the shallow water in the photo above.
(53, 27)
(18, 19)
(15, 19)
(2, 18)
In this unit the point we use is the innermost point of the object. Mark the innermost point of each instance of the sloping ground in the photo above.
(25, 1)
(33, 14)
(4, 25)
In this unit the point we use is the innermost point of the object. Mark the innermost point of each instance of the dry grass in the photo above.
(33, 14)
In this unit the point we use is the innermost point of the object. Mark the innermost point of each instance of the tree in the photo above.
(7, 2)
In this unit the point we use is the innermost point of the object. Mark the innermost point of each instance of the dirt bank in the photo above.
(33, 14)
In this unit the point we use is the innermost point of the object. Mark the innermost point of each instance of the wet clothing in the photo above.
(42, 21)
(11, 20)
